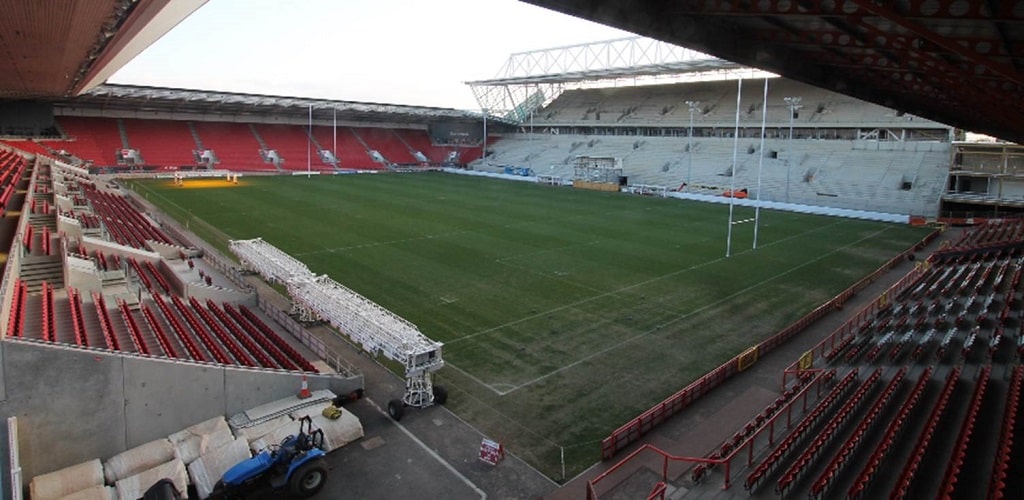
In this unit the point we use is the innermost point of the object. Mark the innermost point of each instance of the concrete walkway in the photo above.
(431, 453)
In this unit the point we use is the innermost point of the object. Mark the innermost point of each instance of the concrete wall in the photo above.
(178, 273)
(169, 252)
(77, 404)
(798, 208)
(112, 248)
(81, 274)
(69, 405)
(70, 227)
(202, 292)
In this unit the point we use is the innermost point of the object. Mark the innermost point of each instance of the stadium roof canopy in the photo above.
(59, 48)
(529, 80)
(64, 50)
(959, 62)
(621, 58)
(132, 100)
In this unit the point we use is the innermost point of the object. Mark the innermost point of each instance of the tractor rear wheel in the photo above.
(440, 394)
(307, 480)
(396, 407)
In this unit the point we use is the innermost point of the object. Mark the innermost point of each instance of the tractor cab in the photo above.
(296, 464)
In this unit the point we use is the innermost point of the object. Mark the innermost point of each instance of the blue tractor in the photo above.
(296, 465)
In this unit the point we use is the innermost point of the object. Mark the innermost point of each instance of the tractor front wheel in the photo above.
(396, 407)
(307, 480)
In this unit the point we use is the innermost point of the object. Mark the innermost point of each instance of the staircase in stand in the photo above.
(320, 149)
(36, 269)
(195, 135)
(374, 154)
(416, 154)
(265, 150)
(124, 133)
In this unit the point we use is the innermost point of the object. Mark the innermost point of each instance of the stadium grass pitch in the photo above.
(564, 313)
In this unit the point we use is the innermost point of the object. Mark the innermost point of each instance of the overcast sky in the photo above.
(390, 51)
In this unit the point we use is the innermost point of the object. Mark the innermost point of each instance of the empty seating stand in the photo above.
(351, 153)
(964, 296)
(244, 338)
(179, 330)
(234, 144)
(162, 325)
(94, 139)
(806, 457)
(123, 221)
(420, 141)
(903, 483)
(826, 478)
(225, 339)
(789, 443)
(77, 321)
(12, 169)
(28, 146)
(257, 334)
(956, 459)
(105, 325)
(204, 336)
(16, 322)
(293, 145)
(133, 328)
(161, 142)
(888, 440)
(278, 342)
(388, 144)
(162, 338)
(48, 329)
(1006, 472)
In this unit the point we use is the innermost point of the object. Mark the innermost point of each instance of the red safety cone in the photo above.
(304, 391)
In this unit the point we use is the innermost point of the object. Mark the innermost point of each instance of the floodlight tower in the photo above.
(693, 105)
(794, 104)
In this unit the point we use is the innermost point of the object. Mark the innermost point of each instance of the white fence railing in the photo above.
(330, 356)
(14, 457)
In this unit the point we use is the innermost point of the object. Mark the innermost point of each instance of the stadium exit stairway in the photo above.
(716, 416)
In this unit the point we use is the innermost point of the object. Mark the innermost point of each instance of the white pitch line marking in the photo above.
(492, 387)
(623, 289)
(682, 317)
(432, 453)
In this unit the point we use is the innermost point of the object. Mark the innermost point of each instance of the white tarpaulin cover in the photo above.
(99, 492)
(132, 488)
(197, 440)
(206, 470)
(258, 431)
(66, 481)
(337, 432)
(138, 459)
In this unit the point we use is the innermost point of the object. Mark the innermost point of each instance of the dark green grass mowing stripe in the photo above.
(564, 312)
